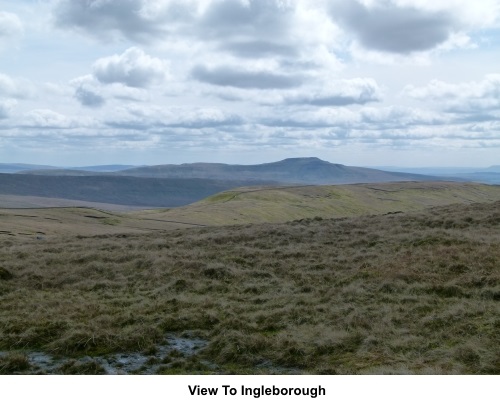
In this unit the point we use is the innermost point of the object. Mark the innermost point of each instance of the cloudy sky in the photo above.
(358, 82)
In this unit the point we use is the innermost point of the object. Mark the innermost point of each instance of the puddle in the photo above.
(120, 363)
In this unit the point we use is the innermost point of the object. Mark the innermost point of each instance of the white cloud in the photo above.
(339, 93)
(15, 88)
(10, 25)
(46, 118)
(397, 116)
(133, 68)
(461, 97)
(154, 118)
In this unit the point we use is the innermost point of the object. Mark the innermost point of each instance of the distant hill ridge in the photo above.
(310, 170)
(305, 170)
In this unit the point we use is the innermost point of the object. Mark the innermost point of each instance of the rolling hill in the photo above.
(281, 204)
(250, 205)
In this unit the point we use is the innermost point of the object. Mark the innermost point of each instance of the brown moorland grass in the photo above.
(398, 293)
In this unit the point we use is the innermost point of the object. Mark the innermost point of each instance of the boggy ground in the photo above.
(397, 293)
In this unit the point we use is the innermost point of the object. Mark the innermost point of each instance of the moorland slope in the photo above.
(400, 293)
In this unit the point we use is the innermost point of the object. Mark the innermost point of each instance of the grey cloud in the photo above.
(145, 21)
(207, 122)
(109, 19)
(294, 123)
(258, 49)
(5, 108)
(391, 28)
(226, 76)
(134, 68)
(88, 97)
(250, 28)
(129, 124)
(240, 19)
(336, 100)
(479, 117)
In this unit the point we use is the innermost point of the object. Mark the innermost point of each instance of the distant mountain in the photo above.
(18, 167)
(65, 172)
(77, 171)
(116, 189)
(430, 171)
(294, 170)
(489, 175)
(102, 168)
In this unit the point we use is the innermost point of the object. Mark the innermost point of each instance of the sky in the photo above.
(359, 82)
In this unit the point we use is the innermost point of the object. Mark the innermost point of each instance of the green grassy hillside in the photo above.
(289, 203)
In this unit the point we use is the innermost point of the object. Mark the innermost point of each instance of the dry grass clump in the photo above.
(399, 293)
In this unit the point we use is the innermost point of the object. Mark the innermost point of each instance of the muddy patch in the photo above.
(168, 355)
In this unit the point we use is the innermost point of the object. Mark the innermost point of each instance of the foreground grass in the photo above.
(399, 293)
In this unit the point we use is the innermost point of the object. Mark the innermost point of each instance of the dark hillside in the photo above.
(116, 189)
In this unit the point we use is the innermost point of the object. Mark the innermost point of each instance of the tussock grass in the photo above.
(398, 293)
(14, 363)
